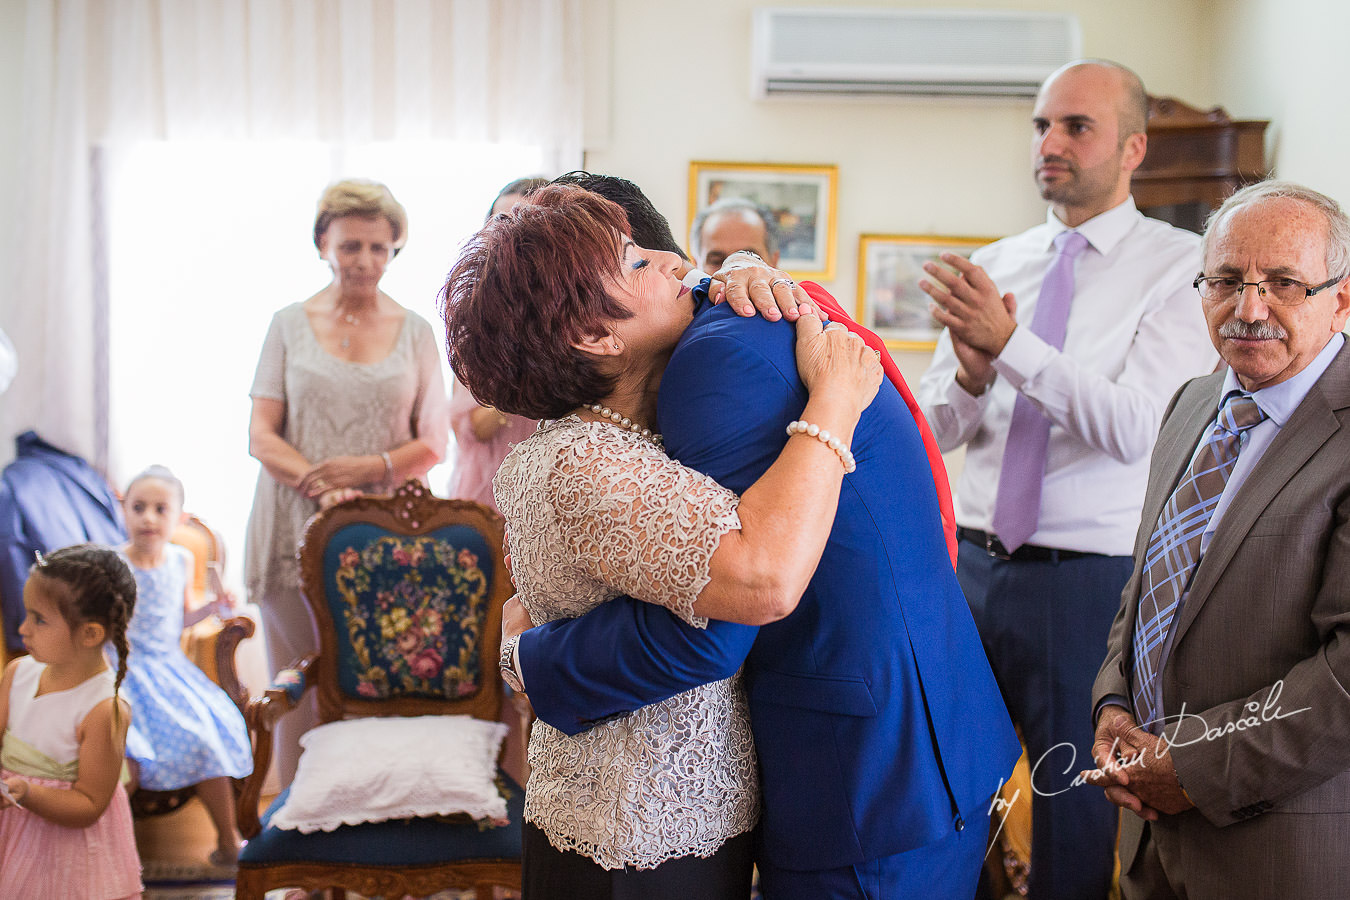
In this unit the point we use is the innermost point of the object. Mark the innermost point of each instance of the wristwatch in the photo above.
(507, 661)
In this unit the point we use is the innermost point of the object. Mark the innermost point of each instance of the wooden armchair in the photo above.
(407, 595)
(208, 552)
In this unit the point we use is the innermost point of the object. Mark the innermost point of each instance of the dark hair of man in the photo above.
(526, 288)
(650, 229)
(521, 186)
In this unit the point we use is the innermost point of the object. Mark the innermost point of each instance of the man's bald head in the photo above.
(1088, 136)
(1131, 99)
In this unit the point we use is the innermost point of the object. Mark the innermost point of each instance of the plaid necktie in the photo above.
(1174, 549)
(1017, 506)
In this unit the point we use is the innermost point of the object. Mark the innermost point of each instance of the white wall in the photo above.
(906, 165)
(1284, 60)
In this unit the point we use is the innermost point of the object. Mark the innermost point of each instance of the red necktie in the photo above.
(831, 308)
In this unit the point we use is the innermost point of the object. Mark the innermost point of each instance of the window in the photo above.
(206, 241)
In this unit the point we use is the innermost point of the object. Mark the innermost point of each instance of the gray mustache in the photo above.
(1251, 331)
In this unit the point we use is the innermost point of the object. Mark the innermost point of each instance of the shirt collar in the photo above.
(699, 290)
(693, 277)
(1103, 231)
(1280, 400)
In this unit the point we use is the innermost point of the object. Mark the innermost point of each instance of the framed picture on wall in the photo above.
(802, 199)
(890, 301)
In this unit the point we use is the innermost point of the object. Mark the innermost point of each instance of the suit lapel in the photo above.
(1194, 412)
(1311, 425)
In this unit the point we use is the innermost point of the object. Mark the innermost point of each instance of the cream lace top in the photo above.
(595, 511)
(333, 408)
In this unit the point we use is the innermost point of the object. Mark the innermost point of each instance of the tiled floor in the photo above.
(173, 855)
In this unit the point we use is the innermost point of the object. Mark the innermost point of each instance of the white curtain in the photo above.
(338, 71)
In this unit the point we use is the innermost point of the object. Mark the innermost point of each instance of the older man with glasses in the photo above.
(1223, 706)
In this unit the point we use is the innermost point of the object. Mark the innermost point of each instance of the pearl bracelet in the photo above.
(388, 467)
(820, 434)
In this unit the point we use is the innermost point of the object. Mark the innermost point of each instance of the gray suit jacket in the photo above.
(1264, 632)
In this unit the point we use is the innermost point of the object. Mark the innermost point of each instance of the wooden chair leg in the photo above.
(245, 887)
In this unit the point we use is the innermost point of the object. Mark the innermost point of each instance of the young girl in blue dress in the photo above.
(186, 730)
(65, 824)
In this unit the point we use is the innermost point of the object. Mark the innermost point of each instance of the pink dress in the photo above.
(39, 858)
(477, 461)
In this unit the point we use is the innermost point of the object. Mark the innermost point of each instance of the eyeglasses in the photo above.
(1274, 291)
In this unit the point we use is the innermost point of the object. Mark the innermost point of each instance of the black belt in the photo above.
(1025, 553)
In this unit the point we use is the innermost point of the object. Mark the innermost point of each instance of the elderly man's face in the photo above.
(725, 233)
(1267, 344)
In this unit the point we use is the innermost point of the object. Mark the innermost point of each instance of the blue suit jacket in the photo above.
(876, 717)
(48, 499)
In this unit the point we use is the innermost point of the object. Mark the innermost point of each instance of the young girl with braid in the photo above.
(65, 824)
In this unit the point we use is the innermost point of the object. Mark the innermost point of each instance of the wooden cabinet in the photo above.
(1195, 159)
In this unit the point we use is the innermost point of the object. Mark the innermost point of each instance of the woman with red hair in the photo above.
(553, 312)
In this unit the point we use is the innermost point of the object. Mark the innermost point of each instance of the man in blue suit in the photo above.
(48, 499)
(880, 730)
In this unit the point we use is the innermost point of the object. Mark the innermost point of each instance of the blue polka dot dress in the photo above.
(184, 728)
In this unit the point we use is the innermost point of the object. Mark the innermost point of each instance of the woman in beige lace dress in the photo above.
(552, 312)
(348, 398)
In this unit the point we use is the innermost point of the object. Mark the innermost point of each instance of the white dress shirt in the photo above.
(1136, 332)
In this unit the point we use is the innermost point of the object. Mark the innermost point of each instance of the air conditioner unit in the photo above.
(813, 51)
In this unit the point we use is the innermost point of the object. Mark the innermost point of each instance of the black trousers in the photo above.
(552, 874)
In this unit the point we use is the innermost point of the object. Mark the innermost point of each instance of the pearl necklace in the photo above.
(346, 338)
(624, 422)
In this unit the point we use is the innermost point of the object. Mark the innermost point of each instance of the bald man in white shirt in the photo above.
(1075, 399)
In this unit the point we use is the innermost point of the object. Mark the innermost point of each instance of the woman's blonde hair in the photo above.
(361, 197)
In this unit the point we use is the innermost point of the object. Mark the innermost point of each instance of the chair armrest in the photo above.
(232, 632)
(261, 715)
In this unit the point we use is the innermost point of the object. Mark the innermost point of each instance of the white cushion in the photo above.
(372, 769)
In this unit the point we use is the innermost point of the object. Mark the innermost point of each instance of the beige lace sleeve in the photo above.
(595, 511)
(648, 525)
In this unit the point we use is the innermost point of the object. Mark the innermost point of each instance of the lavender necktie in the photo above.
(1017, 508)
(1174, 549)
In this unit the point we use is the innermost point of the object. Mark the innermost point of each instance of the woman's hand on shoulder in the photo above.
(751, 288)
(830, 357)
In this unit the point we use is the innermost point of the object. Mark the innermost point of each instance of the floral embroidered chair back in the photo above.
(407, 592)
